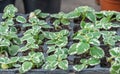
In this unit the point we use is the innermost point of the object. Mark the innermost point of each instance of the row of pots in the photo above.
(53, 6)
(109, 4)
(48, 6)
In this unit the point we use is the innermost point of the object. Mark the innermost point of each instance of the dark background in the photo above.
(66, 5)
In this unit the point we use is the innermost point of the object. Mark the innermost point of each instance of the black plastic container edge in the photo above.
(59, 71)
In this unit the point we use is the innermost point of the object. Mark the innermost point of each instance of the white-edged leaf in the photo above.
(63, 64)
(26, 66)
(79, 67)
(96, 52)
(21, 19)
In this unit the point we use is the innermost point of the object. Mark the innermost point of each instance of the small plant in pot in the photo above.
(93, 47)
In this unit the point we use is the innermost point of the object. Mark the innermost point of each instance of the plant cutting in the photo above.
(41, 47)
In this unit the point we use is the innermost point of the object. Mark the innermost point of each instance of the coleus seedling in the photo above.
(32, 60)
(60, 18)
(114, 60)
(9, 11)
(57, 38)
(34, 35)
(88, 43)
(7, 63)
(110, 37)
(8, 33)
(85, 63)
(58, 59)
(86, 12)
(39, 14)
(106, 18)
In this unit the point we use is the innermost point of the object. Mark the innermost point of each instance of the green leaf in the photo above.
(13, 50)
(5, 42)
(64, 32)
(82, 24)
(26, 37)
(91, 16)
(43, 15)
(84, 61)
(34, 21)
(56, 22)
(65, 22)
(37, 11)
(3, 29)
(115, 68)
(51, 58)
(20, 19)
(4, 60)
(23, 49)
(118, 17)
(72, 50)
(26, 66)
(84, 9)
(14, 59)
(49, 35)
(62, 41)
(82, 47)
(51, 49)
(73, 14)
(50, 66)
(9, 11)
(115, 52)
(23, 59)
(93, 61)
(79, 67)
(9, 22)
(63, 64)
(32, 46)
(96, 52)
(95, 42)
(17, 41)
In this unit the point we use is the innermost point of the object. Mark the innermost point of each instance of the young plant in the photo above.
(58, 59)
(115, 60)
(8, 63)
(60, 18)
(39, 14)
(34, 35)
(8, 33)
(110, 37)
(106, 18)
(88, 43)
(57, 38)
(86, 12)
(33, 60)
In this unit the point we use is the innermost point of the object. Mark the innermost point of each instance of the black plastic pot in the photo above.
(3, 3)
(48, 6)
(58, 71)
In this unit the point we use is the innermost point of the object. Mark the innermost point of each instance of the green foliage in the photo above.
(59, 58)
(115, 54)
(21, 19)
(8, 37)
(45, 46)
(57, 38)
(61, 18)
